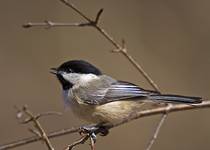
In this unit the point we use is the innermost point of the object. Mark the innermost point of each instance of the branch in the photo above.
(48, 24)
(82, 140)
(34, 118)
(144, 113)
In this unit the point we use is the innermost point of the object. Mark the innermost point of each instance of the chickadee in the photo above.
(101, 99)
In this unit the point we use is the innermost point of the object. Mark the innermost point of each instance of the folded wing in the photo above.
(117, 91)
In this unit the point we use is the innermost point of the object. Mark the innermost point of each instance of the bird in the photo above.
(102, 100)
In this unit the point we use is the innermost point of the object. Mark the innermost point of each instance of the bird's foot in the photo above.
(89, 132)
(93, 130)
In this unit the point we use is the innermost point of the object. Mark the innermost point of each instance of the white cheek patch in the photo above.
(88, 77)
(71, 77)
(65, 76)
(78, 78)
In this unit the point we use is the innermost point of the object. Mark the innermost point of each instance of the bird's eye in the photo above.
(69, 70)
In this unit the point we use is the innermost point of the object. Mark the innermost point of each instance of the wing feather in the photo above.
(114, 91)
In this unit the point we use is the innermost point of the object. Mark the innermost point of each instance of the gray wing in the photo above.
(111, 90)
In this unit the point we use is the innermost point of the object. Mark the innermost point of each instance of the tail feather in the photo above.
(176, 98)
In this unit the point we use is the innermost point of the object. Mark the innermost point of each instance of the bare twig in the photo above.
(32, 139)
(72, 6)
(82, 140)
(35, 132)
(49, 24)
(158, 127)
(98, 16)
(38, 116)
(40, 131)
(144, 113)
(49, 113)
(157, 130)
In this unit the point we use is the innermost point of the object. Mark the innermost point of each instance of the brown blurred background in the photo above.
(169, 38)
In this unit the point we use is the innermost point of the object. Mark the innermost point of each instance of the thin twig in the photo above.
(49, 113)
(40, 131)
(98, 15)
(35, 132)
(144, 113)
(157, 130)
(48, 24)
(38, 116)
(72, 6)
(82, 140)
(158, 127)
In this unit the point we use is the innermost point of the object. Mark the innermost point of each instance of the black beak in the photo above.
(54, 71)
